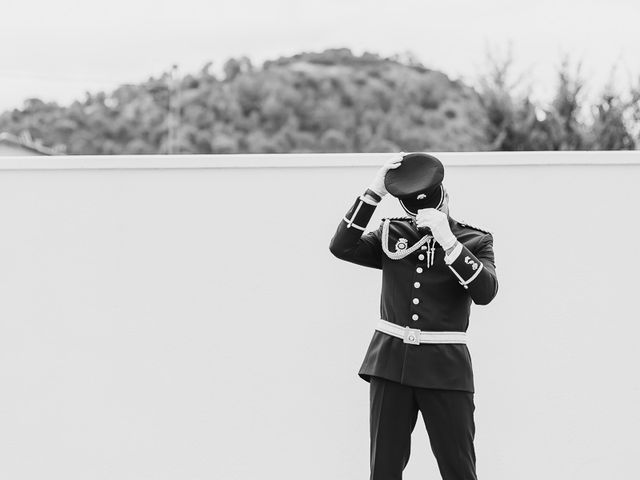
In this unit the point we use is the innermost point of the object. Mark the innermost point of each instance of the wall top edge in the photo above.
(312, 160)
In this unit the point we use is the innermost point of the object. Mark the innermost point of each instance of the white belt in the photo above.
(416, 337)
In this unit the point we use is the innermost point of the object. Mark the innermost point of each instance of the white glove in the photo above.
(377, 185)
(438, 222)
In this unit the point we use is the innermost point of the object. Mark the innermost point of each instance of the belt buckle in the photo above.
(411, 335)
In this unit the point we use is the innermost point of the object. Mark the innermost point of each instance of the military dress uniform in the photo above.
(418, 358)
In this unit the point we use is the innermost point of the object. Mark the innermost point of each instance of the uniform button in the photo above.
(417, 284)
(414, 316)
(419, 269)
(421, 257)
(416, 301)
(423, 247)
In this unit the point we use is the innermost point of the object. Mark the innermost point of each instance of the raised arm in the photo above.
(350, 243)
(475, 272)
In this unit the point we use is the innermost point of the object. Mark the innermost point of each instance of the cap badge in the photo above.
(421, 196)
(402, 244)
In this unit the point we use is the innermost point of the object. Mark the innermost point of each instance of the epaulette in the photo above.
(473, 227)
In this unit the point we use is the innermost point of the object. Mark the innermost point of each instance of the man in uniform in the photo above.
(433, 268)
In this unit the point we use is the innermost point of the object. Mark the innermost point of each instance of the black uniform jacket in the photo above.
(433, 296)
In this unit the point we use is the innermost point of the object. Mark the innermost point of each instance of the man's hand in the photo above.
(438, 222)
(378, 182)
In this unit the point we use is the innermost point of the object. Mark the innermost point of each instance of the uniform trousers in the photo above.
(448, 417)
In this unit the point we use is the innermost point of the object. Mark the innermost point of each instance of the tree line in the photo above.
(332, 101)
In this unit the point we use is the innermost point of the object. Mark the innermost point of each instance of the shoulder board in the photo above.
(406, 219)
(464, 224)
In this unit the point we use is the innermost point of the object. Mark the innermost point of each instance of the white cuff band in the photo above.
(377, 192)
(450, 258)
(366, 199)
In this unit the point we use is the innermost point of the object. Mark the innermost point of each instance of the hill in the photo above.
(331, 101)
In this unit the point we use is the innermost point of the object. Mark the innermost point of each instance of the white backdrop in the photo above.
(176, 317)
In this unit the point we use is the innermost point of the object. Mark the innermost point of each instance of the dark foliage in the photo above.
(331, 101)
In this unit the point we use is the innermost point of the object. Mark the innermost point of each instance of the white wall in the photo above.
(177, 317)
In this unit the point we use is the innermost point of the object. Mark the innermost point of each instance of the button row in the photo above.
(415, 316)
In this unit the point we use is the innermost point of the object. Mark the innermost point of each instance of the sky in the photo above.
(57, 50)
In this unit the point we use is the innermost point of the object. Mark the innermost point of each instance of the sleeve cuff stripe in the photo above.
(457, 275)
(463, 282)
(351, 224)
